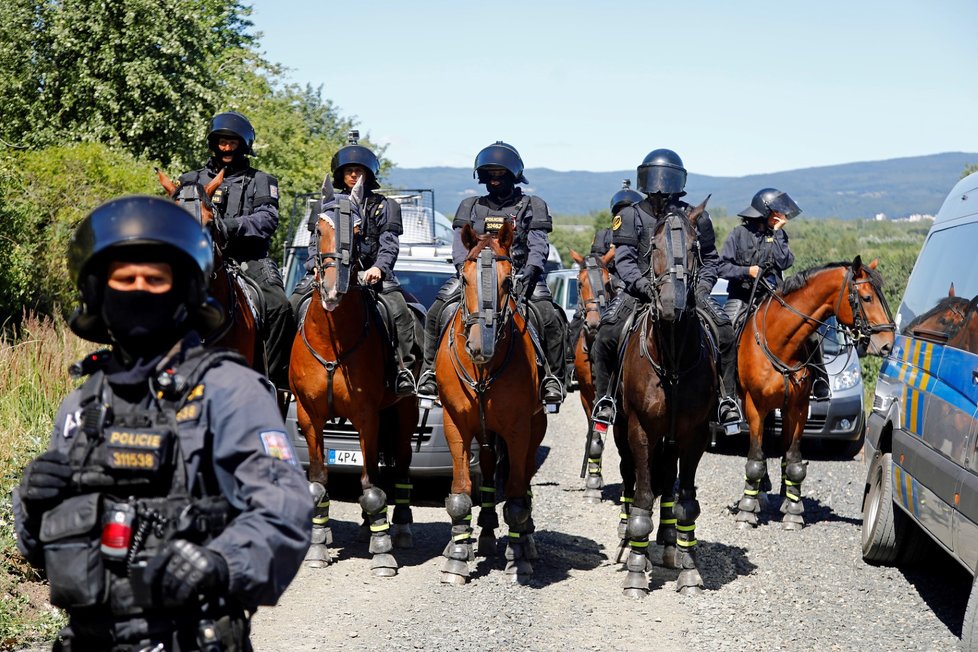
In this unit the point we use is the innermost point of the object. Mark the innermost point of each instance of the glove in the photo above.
(46, 481)
(184, 571)
(526, 281)
(643, 289)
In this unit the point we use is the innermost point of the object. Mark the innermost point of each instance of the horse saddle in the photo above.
(253, 295)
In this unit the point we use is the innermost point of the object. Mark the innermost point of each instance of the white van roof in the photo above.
(961, 202)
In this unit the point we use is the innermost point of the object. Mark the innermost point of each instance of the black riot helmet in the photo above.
(768, 200)
(140, 228)
(354, 154)
(662, 171)
(231, 123)
(624, 197)
(499, 155)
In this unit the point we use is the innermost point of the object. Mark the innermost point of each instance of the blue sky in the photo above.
(734, 87)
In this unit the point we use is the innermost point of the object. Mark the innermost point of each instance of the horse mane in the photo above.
(798, 281)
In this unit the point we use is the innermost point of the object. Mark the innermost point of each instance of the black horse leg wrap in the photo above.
(754, 472)
(666, 534)
(459, 507)
(794, 474)
(402, 503)
(687, 510)
(516, 513)
(488, 518)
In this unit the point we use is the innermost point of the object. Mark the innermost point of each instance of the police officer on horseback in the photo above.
(247, 205)
(662, 178)
(500, 168)
(169, 503)
(377, 247)
(601, 245)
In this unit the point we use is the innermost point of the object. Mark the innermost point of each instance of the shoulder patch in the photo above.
(276, 444)
(616, 223)
(72, 421)
(273, 190)
(196, 393)
(188, 412)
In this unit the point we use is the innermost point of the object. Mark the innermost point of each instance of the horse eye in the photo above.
(867, 298)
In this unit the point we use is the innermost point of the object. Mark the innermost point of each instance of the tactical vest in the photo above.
(369, 247)
(130, 472)
(521, 215)
(644, 235)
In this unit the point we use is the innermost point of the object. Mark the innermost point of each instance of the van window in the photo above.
(947, 258)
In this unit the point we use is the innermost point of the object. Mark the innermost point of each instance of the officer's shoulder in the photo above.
(265, 176)
(230, 376)
(193, 175)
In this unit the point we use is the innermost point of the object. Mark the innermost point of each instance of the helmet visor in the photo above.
(785, 205)
(667, 180)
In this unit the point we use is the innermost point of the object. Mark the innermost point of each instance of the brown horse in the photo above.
(487, 382)
(669, 392)
(595, 293)
(773, 366)
(336, 370)
(952, 322)
(240, 330)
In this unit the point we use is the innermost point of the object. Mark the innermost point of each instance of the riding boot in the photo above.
(551, 330)
(279, 322)
(604, 361)
(427, 385)
(302, 290)
(573, 333)
(403, 320)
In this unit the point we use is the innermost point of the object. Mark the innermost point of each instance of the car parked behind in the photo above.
(922, 434)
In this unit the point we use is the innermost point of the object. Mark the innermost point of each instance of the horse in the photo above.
(335, 370)
(773, 372)
(595, 292)
(240, 329)
(951, 322)
(488, 385)
(669, 393)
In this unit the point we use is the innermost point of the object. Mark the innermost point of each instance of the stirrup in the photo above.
(601, 425)
(552, 404)
(734, 423)
(426, 401)
(820, 389)
(404, 376)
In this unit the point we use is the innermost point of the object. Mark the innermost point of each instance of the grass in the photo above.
(33, 380)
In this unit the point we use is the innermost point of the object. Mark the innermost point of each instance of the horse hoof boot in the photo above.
(636, 594)
(455, 568)
(592, 496)
(689, 582)
(792, 522)
(402, 536)
(487, 544)
(746, 520)
(454, 579)
(594, 481)
(670, 557)
(383, 565)
(318, 556)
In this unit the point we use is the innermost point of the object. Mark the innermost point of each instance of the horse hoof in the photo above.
(383, 565)
(593, 482)
(453, 579)
(636, 594)
(791, 526)
(746, 520)
(487, 545)
(745, 525)
(670, 557)
(519, 567)
(689, 582)
(318, 556)
(690, 590)
(592, 496)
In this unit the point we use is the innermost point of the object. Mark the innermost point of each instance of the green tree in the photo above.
(969, 169)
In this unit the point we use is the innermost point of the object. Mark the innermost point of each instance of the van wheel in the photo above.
(969, 628)
(881, 541)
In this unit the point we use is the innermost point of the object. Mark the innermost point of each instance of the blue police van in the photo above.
(922, 433)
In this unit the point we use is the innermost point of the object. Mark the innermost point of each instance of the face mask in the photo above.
(503, 190)
(144, 323)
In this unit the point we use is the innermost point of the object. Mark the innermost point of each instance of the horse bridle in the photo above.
(599, 288)
(341, 260)
(677, 271)
(862, 328)
(487, 316)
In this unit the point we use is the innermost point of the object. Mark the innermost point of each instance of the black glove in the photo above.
(526, 280)
(643, 289)
(46, 481)
(184, 571)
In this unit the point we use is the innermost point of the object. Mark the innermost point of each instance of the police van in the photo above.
(922, 433)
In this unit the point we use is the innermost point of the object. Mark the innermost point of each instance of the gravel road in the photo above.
(767, 589)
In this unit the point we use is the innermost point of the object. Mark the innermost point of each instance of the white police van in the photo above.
(922, 433)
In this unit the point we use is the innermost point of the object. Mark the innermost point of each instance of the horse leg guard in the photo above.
(665, 536)
(374, 504)
(687, 510)
(792, 508)
(749, 507)
(402, 518)
(458, 552)
(639, 528)
(594, 482)
(322, 536)
(488, 522)
(516, 513)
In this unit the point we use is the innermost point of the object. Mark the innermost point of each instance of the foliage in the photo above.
(43, 194)
(35, 379)
(969, 169)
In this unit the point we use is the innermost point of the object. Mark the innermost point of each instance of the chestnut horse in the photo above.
(240, 330)
(669, 393)
(951, 322)
(336, 370)
(488, 384)
(772, 365)
(595, 293)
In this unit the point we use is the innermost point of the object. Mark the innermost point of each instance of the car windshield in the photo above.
(834, 342)
(424, 285)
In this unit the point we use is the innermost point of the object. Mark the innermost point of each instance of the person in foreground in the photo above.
(169, 504)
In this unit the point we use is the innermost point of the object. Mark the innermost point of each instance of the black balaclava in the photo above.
(145, 324)
(505, 189)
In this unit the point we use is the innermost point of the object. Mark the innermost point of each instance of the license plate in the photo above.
(344, 458)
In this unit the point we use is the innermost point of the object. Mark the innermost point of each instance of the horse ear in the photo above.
(165, 181)
(214, 184)
(469, 237)
(608, 256)
(857, 263)
(950, 291)
(576, 257)
(699, 210)
(505, 235)
(874, 263)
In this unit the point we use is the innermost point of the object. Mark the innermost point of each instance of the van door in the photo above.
(965, 520)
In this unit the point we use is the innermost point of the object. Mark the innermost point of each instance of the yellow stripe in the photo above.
(323, 504)
(490, 490)
(686, 544)
(379, 528)
(792, 484)
(665, 504)
(488, 505)
(639, 544)
(908, 489)
(514, 535)
(403, 486)
(402, 501)
(668, 521)
(320, 520)
(468, 517)
(461, 537)
(686, 528)
(751, 492)
(625, 499)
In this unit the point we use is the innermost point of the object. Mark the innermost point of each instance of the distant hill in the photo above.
(897, 187)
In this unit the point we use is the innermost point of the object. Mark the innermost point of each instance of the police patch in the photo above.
(72, 421)
(196, 393)
(616, 223)
(273, 191)
(276, 444)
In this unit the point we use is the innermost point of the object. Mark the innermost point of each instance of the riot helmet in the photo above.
(768, 200)
(233, 124)
(354, 154)
(141, 229)
(499, 155)
(662, 172)
(624, 197)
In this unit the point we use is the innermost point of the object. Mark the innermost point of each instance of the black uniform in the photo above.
(531, 218)
(195, 454)
(632, 240)
(599, 247)
(248, 203)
